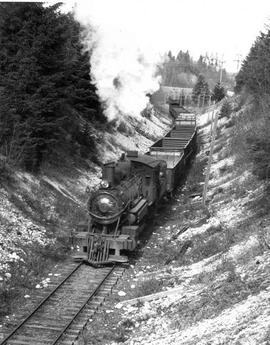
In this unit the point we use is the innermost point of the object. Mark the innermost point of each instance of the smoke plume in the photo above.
(123, 61)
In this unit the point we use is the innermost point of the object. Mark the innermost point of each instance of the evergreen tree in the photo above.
(170, 56)
(254, 74)
(187, 58)
(44, 82)
(180, 56)
(218, 93)
(225, 110)
(180, 71)
(254, 79)
(201, 92)
(201, 63)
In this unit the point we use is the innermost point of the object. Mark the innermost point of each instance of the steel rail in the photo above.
(40, 305)
(83, 306)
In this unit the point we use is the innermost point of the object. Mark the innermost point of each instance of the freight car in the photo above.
(130, 190)
(176, 148)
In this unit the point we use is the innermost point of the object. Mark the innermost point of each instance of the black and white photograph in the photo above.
(135, 172)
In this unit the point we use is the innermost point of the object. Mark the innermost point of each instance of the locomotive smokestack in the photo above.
(109, 173)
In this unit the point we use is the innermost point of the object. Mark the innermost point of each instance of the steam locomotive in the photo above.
(131, 188)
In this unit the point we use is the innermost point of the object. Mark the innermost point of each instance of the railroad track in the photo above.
(62, 314)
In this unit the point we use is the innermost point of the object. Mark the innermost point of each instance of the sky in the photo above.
(227, 28)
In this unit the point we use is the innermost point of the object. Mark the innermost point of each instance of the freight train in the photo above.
(131, 188)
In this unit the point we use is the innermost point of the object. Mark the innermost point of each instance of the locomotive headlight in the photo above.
(105, 204)
(104, 184)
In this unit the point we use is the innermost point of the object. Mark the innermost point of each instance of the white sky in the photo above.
(224, 27)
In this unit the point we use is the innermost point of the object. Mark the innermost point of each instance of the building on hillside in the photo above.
(179, 95)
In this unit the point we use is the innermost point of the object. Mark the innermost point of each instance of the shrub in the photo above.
(5, 171)
(122, 127)
(148, 287)
(24, 274)
(213, 299)
(251, 141)
(196, 176)
(225, 110)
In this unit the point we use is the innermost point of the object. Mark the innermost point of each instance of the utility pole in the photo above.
(238, 60)
(203, 98)
(211, 128)
(221, 69)
(213, 138)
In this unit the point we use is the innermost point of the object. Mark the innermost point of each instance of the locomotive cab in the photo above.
(153, 174)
